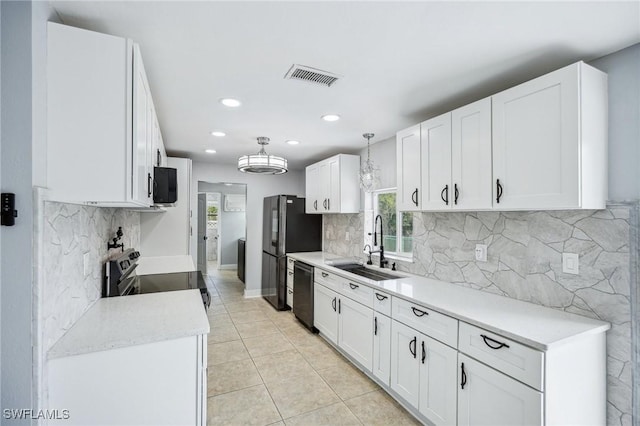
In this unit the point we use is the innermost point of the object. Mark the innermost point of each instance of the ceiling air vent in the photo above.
(311, 75)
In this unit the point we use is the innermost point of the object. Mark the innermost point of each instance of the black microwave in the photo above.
(165, 185)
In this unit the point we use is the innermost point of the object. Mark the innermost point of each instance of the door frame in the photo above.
(202, 231)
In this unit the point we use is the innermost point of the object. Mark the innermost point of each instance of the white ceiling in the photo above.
(401, 62)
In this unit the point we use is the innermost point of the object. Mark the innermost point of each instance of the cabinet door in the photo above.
(408, 169)
(405, 367)
(325, 311)
(142, 133)
(492, 398)
(333, 197)
(313, 202)
(438, 381)
(324, 186)
(471, 156)
(382, 347)
(355, 331)
(536, 143)
(435, 152)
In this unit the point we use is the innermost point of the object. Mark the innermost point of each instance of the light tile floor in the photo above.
(266, 368)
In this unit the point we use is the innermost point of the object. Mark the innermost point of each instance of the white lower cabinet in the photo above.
(355, 331)
(488, 397)
(325, 312)
(423, 372)
(125, 386)
(382, 347)
(346, 323)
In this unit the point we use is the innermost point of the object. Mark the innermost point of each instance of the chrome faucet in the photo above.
(383, 261)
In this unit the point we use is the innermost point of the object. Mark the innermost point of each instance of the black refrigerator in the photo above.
(286, 229)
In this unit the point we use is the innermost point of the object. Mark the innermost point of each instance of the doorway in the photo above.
(221, 224)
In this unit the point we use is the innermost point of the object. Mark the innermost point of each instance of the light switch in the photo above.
(570, 263)
(481, 252)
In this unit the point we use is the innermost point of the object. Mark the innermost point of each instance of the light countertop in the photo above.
(164, 264)
(117, 322)
(534, 325)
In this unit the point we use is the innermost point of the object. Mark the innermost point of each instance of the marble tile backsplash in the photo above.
(69, 232)
(525, 263)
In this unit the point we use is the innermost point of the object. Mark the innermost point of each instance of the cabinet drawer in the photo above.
(358, 292)
(514, 359)
(329, 279)
(427, 321)
(290, 278)
(290, 297)
(382, 302)
(290, 262)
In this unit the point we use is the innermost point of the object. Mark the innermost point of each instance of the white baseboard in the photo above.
(229, 266)
(252, 293)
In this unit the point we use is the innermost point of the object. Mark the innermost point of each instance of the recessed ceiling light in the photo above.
(218, 133)
(293, 142)
(331, 117)
(230, 102)
(228, 184)
(210, 151)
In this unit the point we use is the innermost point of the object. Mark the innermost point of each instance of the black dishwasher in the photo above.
(303, 294)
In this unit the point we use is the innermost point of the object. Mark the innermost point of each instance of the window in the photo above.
(397, 226)
(212, 213)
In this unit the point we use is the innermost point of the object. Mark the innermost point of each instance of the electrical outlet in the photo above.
(481, 252)
(570, 263)
(86, 263)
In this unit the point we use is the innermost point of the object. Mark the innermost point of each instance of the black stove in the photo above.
(121, 279)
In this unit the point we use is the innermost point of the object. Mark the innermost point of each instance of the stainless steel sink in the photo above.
(356, 268)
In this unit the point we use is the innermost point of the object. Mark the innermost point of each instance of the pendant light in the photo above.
(368, 171)
(262, 163)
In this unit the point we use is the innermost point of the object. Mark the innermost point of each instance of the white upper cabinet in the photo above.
(471, 156)
(408, 170)
(549, 141)
(312, 189)
(144, 127)
(332, 185)
(538, 146)
(100, 126)
(436, 163)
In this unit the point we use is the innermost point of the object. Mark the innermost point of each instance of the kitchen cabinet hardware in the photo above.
(315, 205)
(424, 352)
(325, 275)
(413, 342)
(353, 286)
(339, 306)
(498, 191)
(158, 157)
(375, 326)
(445, 194)
(381, 297)
(149, 185)
(290, 291)
(417, 312)
(328, 203)
(463, 380)
(414, 197)
(488, 339)
(324, 203)
(455, 193)
(333, 304)
(290, 272)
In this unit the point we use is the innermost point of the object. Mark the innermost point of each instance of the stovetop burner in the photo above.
(121, 279)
